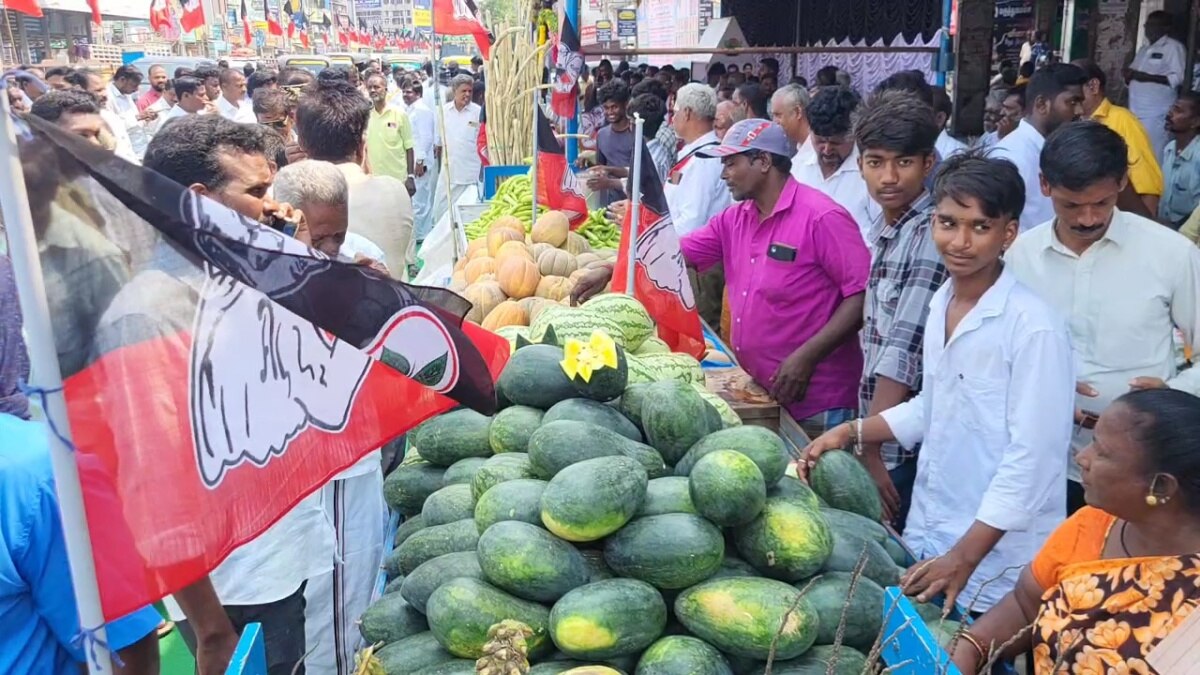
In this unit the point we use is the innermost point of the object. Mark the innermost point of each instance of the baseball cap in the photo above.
(753, 135)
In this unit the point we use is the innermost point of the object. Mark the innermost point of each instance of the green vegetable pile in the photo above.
(626, 524)
(599, 231)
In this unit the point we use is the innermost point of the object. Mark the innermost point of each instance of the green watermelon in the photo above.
(462, 471)
(671, 551)
(593, 412)
(451, 503)
(500, 468)
(843, 482)
(454, 435)
(673, 366)
(393, 585)
(727, 488)
(682, 655)
(534, 377)
(763, 446)
(630, 403)
(796, 489)
(609, 372)
(788, 541)
(614, 617)
(390, 619)
(408, 527)
(412, 654)
(669, 494)
(896, 550)
(848, 547)
(734, 567)
(728, 416)
(461, 611)
(652, 345)
(830, 595)
(579, 325)
(410, 484)
(597, 568)
(559, 444)
(519, 499)
(852, 522)
(743, 616)
(512, 427)
(455, 667)
(434, 541)
(632, 319)
(429, 575)
(529, 562)
(674, 418)
(593, 498)
(538, 326)
(817, 661)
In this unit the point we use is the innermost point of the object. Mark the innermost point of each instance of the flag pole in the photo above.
(533, 162)
(46, 377)
(435, 54)
(635, 201)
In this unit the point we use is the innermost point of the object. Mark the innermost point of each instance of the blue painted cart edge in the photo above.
(250, 655)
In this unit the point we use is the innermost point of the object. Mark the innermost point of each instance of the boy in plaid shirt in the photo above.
(896, 133)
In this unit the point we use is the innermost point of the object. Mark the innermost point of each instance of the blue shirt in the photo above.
(1181, 183)
(38, 616)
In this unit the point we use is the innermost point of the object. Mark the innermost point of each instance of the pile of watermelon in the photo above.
(628, 525)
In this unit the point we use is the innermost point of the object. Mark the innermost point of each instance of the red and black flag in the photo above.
(247, 37)
(461, 17)
(660, 277)
(216, 370)
(557, 185)
(289, 10)
(568, 66)
(273, 25)
(364, 33)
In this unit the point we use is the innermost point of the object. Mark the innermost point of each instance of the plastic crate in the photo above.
(909, 647)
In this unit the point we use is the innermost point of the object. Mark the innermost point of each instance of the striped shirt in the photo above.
(905, 273)
(662, 157)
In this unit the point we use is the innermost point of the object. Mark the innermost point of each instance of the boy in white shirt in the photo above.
(998, 379)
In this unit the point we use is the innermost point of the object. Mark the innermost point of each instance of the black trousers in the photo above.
(282, 626)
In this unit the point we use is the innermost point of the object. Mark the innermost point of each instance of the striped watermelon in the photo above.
(580, 325)
(653, 345)
(537, 327)
(635, 322)
(728, 417)
(673, 367)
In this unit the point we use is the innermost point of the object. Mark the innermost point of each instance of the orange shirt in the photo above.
(1079, 539)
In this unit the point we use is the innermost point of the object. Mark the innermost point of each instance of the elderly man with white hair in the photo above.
(787, 110)
(694, 188)
(353, 499)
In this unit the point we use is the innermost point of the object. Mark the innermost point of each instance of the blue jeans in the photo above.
(824, 421)
(904, 477)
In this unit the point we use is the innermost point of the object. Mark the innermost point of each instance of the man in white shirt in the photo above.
(1154, 77)
(459, 150)
(694, 188)
(787, 110)
(120, 102)
(263, 580)
(353, 500)
(833, 167)
(232, 104)
(1125, 283)
(191, 99)
(425, 168)
(84, 79)
(1053, 97)
(331, 120)
(947, 145)
(993, 413)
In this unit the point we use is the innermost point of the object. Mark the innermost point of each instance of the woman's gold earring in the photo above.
(1151, 500)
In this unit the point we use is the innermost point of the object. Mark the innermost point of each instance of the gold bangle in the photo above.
(974, 642)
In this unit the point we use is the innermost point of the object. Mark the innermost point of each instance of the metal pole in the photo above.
(944, 43)
(435, 54)
(533, 162)
(635, 201)
(27, 268)
(571, 15)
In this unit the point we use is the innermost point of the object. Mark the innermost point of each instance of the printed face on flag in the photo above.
(217, 371)
(659, 254)
(568, 68)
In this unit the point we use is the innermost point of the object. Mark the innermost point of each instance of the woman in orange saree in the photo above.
(1121, 574)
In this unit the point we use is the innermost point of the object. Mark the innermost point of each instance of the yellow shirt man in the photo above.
(389, 140)
(1145, 175)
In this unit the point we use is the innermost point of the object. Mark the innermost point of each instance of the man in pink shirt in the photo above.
(796, 273)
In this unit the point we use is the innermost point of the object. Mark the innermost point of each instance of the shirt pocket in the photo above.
(781, 281)
(982, 402)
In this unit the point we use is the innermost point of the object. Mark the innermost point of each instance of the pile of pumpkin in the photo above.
(510, 276)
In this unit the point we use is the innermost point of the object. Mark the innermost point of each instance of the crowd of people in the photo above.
(998, 330)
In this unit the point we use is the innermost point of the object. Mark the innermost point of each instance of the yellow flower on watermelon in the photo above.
(596, 368)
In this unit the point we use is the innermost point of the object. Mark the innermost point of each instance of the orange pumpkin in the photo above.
(509, 223)
(518, 276)
(555, 288)
(583, 259)
(480, 252)
(475, 245)
(512, 248)
(556, 262)
(458, 281)
(507, 313)
(496, 239)
(531, 305)
(538, 249)
(576, 244)
(551, 228)
(478, 266)
(484, 297)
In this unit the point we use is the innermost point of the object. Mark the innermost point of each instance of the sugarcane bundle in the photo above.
(513, 74)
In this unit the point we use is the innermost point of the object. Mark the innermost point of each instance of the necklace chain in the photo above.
(1124, 548)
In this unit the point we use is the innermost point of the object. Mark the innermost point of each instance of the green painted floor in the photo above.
(175, 659)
